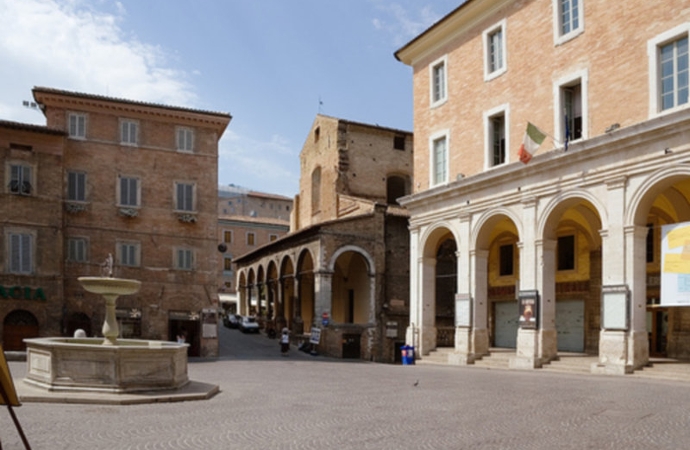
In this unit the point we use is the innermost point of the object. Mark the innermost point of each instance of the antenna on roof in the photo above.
(30, 105)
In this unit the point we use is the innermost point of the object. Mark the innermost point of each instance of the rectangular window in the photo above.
(673, 62)
(272, 237)
(227, 264)
(76, 249)
(184, 259)
(498, 140)
(227, 237)
(129, 191)
(77, 126)
(129, 132)
(20, 179)
(506, 260)
(76, 186)
(184, 197)
(572, 107)
(566, 252)
(399, 142)
(250, 238)
(21, 253)
(570, 16)
(185, 140)
(496, 50)
(440, 161)
(128, 254)
(438, 82)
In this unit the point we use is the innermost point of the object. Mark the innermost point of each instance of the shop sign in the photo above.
(22, 293)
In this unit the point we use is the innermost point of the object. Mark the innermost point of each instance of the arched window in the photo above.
(316, 190)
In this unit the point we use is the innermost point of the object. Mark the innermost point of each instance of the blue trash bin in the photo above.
(407, 352)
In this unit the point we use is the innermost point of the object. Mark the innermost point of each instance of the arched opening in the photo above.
(572, 241)
(396, 187)
(665, 213)
(351, 291)
(287, 286)
(17, 326)
(445, 290)
(305, 276)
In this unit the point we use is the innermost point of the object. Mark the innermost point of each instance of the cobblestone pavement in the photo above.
(311, 402)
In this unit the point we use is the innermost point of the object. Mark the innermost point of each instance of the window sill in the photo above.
(127, 211)
(75, 207)
(186, 217)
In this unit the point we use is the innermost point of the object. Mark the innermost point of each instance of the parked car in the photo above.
(248, 324)
(232, 320)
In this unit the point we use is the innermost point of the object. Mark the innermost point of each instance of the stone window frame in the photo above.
(25, 166)
(126, 137)
(581, 76)
(32, 235)
(70, 251)
(560, 38)
(176, 197)
(184, 139)
(487, 35)
(441, 62)
(501, 110)
(73, 118)
(433, 138)
(183, 258)
(120, 180)
(653, 48)
(124, 261)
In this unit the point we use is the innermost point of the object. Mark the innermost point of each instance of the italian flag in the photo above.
(533, 139)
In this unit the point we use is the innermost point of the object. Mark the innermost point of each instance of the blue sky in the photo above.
(269, 63)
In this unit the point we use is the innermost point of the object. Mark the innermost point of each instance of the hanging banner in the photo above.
(675, 264)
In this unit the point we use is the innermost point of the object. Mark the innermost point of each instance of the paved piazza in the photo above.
(311, 402)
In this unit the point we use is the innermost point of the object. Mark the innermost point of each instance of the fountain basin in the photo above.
(83, 364)
(111, 286)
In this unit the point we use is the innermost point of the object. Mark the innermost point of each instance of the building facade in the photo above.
(134, 180)
(339, 269)
(246, 220)
(561, 252)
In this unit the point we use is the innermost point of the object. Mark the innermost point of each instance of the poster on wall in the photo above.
(675, 264)
(528, 304)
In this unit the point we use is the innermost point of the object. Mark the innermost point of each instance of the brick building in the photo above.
(112, 176)
(343, 266)
(246, 220)
(575, 234)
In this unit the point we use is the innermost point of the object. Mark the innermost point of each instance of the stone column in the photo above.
(613, 342)
(411, 334)
(322, 296)
(480, 302)
(546, 285)
(464, 349)
(427, 328)
(636, 273)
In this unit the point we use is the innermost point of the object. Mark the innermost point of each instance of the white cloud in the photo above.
(404, 22)
(67, 44)
(273, 164)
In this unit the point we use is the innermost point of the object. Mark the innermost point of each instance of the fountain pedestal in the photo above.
(108, 365)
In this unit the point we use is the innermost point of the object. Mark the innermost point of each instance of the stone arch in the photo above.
(371, 270)
(486, 222)
(430, 239)
(554, 209)
(642, 199)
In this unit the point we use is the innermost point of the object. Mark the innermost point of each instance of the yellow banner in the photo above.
(6, 383)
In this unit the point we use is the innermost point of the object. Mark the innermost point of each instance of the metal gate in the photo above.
(505, 324)
(570, 325)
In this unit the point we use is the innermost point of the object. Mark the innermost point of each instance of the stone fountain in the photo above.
(108, 365)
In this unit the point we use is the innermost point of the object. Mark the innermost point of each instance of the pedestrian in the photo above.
(285, 342)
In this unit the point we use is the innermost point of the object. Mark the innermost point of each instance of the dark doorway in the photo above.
(18, 325)
(351, 346)
(190, 330)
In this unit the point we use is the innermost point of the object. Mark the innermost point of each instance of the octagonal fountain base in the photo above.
(85, 365)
